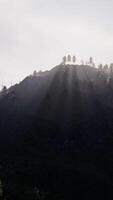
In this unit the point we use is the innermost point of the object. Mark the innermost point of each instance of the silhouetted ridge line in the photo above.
(56, 134)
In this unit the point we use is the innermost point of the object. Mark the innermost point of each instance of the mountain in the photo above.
(56, 133)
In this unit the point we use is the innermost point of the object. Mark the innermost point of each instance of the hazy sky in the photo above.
(35, 34)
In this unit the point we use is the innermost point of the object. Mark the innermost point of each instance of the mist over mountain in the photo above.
(56, 133)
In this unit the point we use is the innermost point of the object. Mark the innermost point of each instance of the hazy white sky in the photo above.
(35, 34)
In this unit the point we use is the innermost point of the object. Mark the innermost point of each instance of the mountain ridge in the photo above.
(59, 123)
(63, 84)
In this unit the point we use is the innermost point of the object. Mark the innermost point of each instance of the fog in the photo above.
(35, 34)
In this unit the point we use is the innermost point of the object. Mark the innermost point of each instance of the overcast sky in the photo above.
(36, 34)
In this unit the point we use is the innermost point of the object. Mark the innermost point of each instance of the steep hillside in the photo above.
(57, 132)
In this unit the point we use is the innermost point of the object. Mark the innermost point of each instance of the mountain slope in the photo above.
(57, 129)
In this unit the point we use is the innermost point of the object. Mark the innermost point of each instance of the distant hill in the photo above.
(56, 131)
